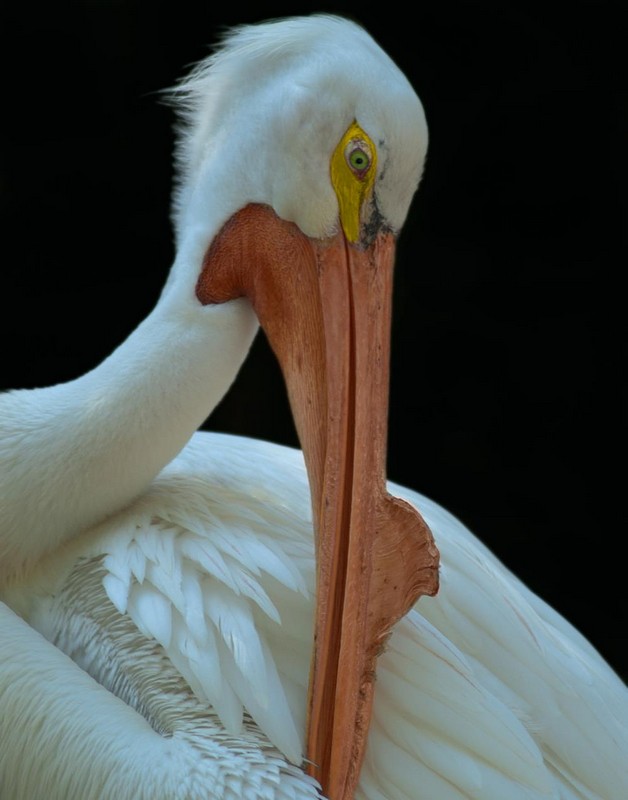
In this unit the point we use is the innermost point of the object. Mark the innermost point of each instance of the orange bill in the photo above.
(325, 306)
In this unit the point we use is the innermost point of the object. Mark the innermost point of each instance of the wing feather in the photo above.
(484, 691)
(151, 612)
(233, 620)
(568, 698)
(214, 575)
(430, 704)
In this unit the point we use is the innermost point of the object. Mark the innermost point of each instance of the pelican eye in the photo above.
(358, 155)
(353, 167)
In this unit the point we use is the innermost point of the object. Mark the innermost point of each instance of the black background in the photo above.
(508, 343)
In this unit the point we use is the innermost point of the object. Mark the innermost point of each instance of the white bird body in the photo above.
(178, 568)
(483, 691)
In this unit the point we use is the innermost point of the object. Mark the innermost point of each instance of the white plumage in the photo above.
(186, 591)
(484, 692)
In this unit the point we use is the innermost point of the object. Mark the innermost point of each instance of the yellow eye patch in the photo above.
(353, 168)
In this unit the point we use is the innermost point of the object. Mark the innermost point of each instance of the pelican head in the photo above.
(263, 115)
(301, 148)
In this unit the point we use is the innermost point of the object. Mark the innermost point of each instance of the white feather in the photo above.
(452, 702)
(151, 612)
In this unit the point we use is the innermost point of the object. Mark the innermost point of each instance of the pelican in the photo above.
(193, 615)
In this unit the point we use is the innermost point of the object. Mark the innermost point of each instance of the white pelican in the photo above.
(177, 569)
